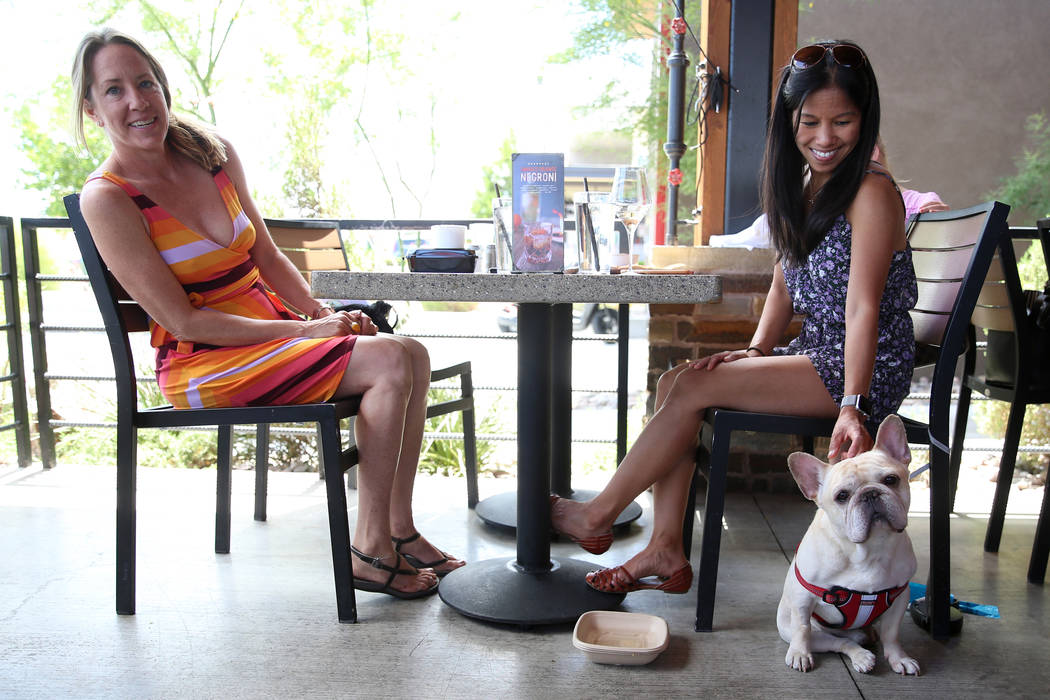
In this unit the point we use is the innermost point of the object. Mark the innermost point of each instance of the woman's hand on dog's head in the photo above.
(850, 436)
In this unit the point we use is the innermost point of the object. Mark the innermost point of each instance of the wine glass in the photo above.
(631, 201)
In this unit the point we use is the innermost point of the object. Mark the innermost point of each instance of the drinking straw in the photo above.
(586, 209)
(499, 221)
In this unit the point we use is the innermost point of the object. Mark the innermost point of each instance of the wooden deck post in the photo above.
(716, 21)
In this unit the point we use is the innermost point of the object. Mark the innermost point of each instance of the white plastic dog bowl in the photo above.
(623, 638)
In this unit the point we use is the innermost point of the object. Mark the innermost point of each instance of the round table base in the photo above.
(497, 590)
(501, 510)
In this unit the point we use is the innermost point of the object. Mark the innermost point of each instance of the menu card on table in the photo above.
(538, 241)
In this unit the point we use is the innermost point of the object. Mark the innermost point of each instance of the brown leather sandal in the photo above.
(619, 580)
(416, 561)
(387, 587)
(596, 544)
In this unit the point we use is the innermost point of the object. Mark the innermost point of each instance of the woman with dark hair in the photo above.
(172, 215)
(837, 222)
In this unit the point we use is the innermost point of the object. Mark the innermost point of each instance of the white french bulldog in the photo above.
(852, 568)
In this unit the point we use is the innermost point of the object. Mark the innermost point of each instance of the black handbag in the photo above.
(378, 311)
(999, 358)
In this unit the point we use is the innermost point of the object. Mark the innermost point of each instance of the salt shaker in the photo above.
(490, 258)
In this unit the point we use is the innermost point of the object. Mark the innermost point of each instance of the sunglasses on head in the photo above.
(843, 54)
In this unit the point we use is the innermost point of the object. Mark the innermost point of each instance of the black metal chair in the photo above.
(315, 244)
(1041, 545)
(1016, 372)
(122, 316)
(951, 251)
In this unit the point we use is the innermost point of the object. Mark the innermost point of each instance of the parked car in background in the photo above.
(602, 318)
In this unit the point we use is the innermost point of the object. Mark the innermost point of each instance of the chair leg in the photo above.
(1006, 474)
(1041, 545)
(223, 490)
(689, 520)
(320, 453)
(262, 468)
(939, 583)
(338, 524)
(962, 410)
(351, 473)
(470, 444)
(126, 496)
(711, 538)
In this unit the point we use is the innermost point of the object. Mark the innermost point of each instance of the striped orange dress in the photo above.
(226, 280)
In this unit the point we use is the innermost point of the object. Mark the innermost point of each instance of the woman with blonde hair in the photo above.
(172, 216)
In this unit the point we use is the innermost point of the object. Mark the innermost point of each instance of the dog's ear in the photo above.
(893, 439)
(808, 472)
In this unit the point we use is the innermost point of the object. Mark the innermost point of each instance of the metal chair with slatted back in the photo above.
(1022, 379)
(1041, 544)
(317, 244)
(951, 252)
(121, 317)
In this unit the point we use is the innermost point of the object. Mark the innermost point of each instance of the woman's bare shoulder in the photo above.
(878, 190)
(103, 200)
(879, 210)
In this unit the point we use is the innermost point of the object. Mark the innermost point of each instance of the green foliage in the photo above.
(339, 52)
(192, 449)
(614, 28)
(991, 417)
(8, 446)
(496, 174)
(304, 184)
(287, 450)
(1028, 191)
(612, 23)
(446, 456)
(1031, 267)
(196, 39)
(1028, 194)
(58, 167)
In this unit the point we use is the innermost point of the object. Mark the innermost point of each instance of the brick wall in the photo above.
(681, 332)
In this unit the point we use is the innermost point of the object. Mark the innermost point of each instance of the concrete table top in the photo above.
(525, 288)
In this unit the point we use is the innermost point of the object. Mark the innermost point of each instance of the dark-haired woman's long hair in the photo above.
(792, 232)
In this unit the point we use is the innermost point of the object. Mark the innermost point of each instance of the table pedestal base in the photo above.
(498, 590)
(501, 510)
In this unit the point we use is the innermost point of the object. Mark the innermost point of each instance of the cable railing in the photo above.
(49, 420)
(36, 280)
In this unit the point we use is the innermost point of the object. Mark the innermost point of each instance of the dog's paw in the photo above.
(863, 660)
(799, 659)
(904, 665)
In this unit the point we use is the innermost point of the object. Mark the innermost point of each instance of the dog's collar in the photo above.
(858, 608)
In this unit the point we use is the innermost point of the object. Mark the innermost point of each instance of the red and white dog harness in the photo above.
(859, 609)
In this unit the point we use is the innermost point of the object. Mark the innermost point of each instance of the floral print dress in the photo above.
(818, 290)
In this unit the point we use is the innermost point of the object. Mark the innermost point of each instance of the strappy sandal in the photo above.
(416, 561)
(387, 587)
(619, 580)
(596, 544)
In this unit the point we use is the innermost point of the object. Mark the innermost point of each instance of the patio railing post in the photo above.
(13, 326)
(34, 298)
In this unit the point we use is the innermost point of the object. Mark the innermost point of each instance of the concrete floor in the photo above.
(260, 622)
